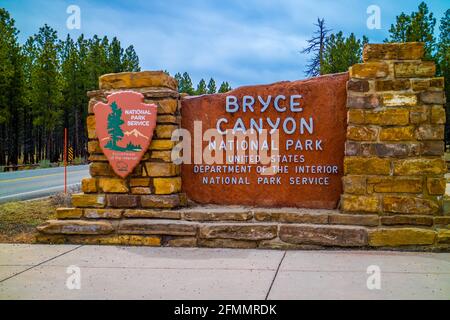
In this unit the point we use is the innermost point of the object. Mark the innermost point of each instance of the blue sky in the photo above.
(243, 42)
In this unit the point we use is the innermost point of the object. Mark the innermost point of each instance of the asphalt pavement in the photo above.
(36, 183)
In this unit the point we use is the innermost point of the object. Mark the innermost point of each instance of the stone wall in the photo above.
(393, 163)
(393, 174)
(155, 183)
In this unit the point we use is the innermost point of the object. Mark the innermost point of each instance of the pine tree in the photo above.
(115, 54)
(179, 79)
(443, 63)
(212, 86)
(224, 87)
(186, 84)
(46, 92)
(11, 90)
(341, 53)
(418, 26)
(130, 60)
(201, 87)
(316, 45)
(114, 127)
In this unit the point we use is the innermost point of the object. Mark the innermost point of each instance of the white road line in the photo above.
(37, 191)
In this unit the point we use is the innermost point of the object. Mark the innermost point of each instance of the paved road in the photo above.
(30, 184)
(113, 272)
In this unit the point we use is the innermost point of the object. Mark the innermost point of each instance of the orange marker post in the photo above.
(65, 160)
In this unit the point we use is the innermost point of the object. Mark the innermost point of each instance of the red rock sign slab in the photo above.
(311, 118)
(124, 127)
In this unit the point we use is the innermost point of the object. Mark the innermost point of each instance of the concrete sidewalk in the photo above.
(109, 272)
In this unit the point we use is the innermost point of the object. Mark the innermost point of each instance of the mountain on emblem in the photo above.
(136, 133)
(124, 126)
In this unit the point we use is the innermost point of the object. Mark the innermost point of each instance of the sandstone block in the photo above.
(358, 85)
(238, 232)
(141, 190)
(420, 84)
(90, 124)
(167, 118)
(359, 203)
(410, 205)
(355, 116)
(393, 51)
(113, 185)
(437, 83)
(141, 79)
(354, 184)
(430, 132)
(436, 186)
(385, 237)
(414, 69)
(291, 215)
(89, 185)
(100, 169)
(347, 236)
(161, 169)
(94, 147)
(165, 131)
(407, 220)
(389, 117)
(433, 97)
(178, 242)
(399, 99)
(140, 182)
(156, 214)
(369, 220)
(419, 114)
(122, 200)
(76, 227)
(69, 213)
(396, 149)
(421, 166)
(362, 133)
(163, 201)
(392, 85)
(394, 185)
(205, 214)
(437, 114)
(432, 148)
(352, 148)
(364, 102)
(369, 70)
(102, 213)
(158, 227)
(81, 200)
(167, 185)
(363, 166)
(161, 155)
(443, 236)
(161, 144)
(227, 243)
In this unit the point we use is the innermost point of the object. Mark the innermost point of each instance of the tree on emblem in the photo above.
(114, 127)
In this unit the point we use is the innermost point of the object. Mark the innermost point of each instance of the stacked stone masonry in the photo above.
(393, 174)
(394, 165)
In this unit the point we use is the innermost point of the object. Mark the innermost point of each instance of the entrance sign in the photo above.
(124, 127)
(310, 119)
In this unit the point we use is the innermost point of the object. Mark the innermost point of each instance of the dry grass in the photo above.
(18, 220)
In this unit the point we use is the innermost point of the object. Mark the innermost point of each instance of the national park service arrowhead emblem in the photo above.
(124, 127)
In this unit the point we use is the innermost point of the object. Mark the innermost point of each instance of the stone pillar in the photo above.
(393, 163)
(154, 185)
